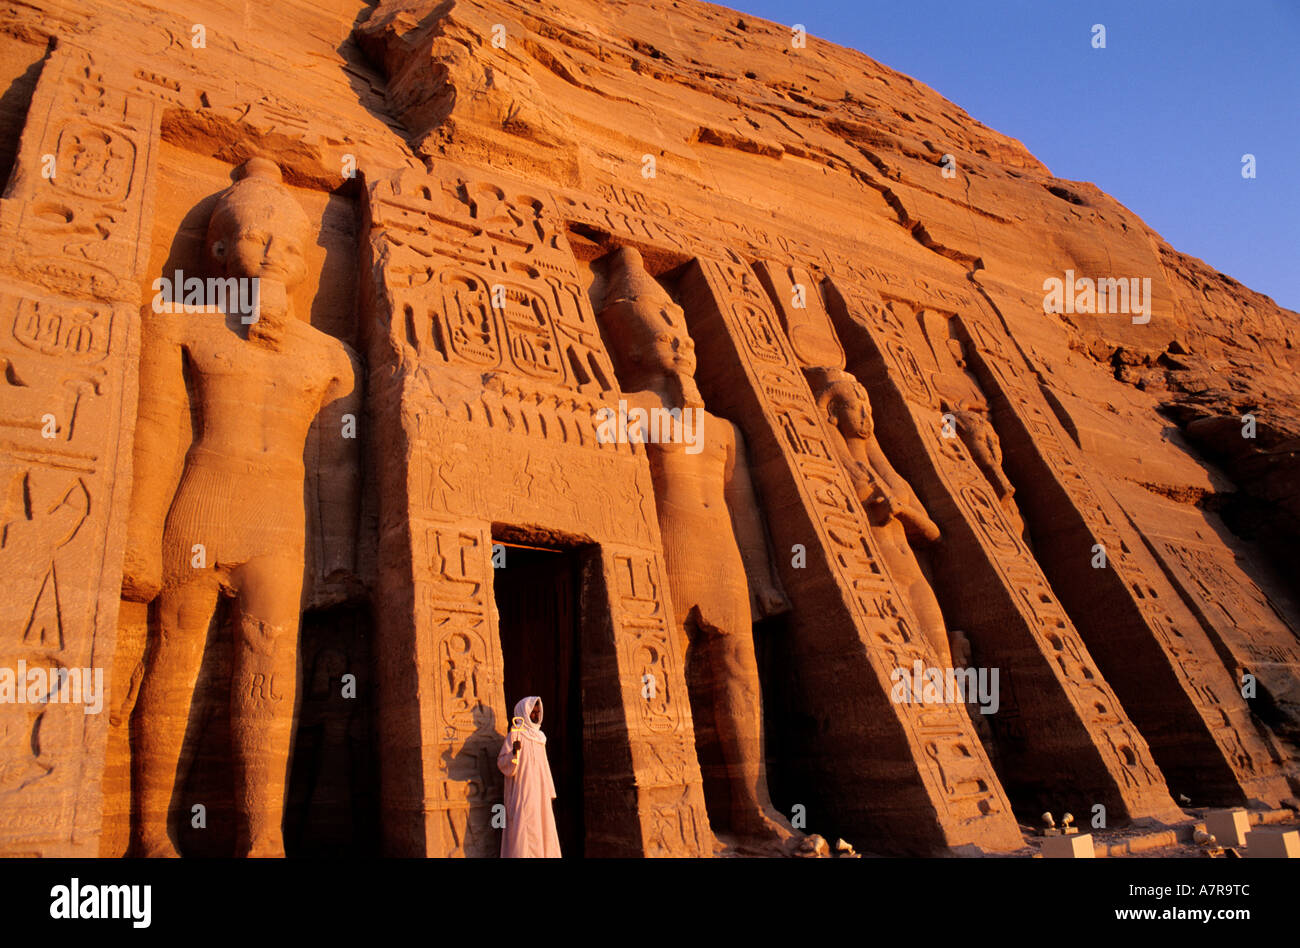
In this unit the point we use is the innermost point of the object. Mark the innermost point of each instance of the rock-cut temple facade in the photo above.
(369, 367)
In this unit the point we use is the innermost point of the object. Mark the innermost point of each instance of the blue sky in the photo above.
(1159, 119)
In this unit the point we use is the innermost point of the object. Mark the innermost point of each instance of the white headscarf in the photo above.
(524, 709)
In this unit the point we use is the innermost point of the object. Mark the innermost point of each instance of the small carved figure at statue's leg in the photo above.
(264, 693)
(739, 721)
(174, 659)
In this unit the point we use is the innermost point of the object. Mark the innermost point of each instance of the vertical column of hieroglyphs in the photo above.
(452, 602)
(72, 247)
(501, 372)
(1148, 644)
(1067, 719)
(904, 774)
(668, 784)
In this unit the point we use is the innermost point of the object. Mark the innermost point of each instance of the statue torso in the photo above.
(255, 404)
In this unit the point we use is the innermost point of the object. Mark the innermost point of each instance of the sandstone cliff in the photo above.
(811, 213)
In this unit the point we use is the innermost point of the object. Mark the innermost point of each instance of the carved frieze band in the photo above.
(480, 275)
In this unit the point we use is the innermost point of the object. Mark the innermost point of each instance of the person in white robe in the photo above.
(530, 820)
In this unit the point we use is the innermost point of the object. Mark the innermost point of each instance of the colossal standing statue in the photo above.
(714, 543)
(893, 510)
(244, 390)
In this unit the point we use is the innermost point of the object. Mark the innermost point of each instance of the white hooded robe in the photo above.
(530, 820)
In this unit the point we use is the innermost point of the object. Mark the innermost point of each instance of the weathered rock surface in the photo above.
(906, 462)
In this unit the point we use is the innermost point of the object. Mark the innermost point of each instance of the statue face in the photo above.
(267, 243)
(852, 413)
(667, 350)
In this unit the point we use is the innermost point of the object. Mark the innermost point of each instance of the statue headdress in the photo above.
(830, 383)
(259, 192)
(630, 282)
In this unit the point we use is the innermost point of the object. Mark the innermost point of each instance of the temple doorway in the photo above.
(537, 598)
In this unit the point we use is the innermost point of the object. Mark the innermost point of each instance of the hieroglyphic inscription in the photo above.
(73, 231)
(674, 825)
(466, 687)
(603, 496)
(652, 674)
(796, 294)
(54, 354)
(76, 222)
(641, 616)
(481, 275)
(498, 400)
(1248, 625)
(1262, 631)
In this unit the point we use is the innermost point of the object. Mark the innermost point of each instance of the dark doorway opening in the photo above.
(537, 602)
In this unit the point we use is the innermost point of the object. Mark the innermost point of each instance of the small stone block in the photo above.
(1069, 847)
(1273, 844)
(1229, 827)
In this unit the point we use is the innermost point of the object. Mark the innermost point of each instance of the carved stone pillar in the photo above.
(1251, 632)
(892, 775)
(1056, 714)
(73, 244)
(1147, 643)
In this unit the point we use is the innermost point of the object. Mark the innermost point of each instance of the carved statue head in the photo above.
(258, 228)
(843, 402)
(649, 327)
